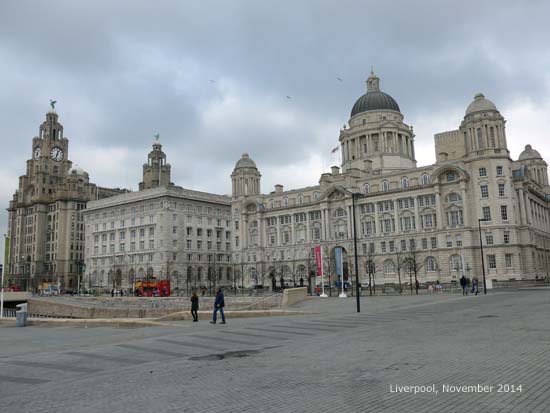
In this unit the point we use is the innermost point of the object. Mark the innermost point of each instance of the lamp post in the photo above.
(357, 290)
(479, 221)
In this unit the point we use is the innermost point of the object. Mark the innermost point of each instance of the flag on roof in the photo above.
(335, 149)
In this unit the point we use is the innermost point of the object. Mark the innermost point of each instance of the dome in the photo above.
(529, 153)
(77, 170)
(480, 104)
(374, 99)
(245, 162)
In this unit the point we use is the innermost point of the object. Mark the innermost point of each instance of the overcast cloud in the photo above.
(122, 71)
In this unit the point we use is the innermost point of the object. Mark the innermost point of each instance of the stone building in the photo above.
(162, 231)
(45, 223)
(410, 219)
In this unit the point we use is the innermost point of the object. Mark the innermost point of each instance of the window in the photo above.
(404, 182)
(458, 241)
(449, 241)
(403, 245)
(389, 267)
(451, 176)
(489, 239)
(151, 244)
(453, 197)
(431, 264)
(480, 142)
(366, 188)
(506, 237)
(392, 246)
(316, 196)
(484, 191)
(500, 171)
(482, 172)
(500, 189)
(455, 218)
(504, 212)
(508, 260)
(433, 241)
(492, 260)
(300, 199)
(424, 243)
(383, 246)
(425, 179)
(385, 185)
(486, 213)
(142, 232)
(285, 201)
(236, 241)
(188, 244)
(142, 245)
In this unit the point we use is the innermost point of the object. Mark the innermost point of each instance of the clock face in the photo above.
(56, 154)
(37, 152)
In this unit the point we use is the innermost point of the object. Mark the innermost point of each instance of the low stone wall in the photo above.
(138, 307)
(293, 296)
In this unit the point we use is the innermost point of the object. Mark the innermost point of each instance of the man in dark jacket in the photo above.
(464, 285)
(219, 303)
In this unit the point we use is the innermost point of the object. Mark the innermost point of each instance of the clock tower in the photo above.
(45, 221)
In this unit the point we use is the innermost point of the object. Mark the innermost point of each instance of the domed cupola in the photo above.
(480, 104)
(529, 153)
(374, 99)
(245, 177)
(483, 126)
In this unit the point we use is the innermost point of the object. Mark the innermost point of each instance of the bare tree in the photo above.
(413, 265)
(399, 261)
(369, 261)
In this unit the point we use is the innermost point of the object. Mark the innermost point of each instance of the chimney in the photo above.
(278, 189)
(335, 170)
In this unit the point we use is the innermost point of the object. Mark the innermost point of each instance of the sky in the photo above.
(220, 78)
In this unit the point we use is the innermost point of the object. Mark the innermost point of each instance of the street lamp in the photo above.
(357, 290)
(479, 221)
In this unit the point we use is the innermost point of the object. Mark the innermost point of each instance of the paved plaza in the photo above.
(333, 361)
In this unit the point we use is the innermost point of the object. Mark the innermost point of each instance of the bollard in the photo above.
(21, 315)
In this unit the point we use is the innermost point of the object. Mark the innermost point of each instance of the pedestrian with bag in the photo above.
(219, 303)
(475, 283)
(195, 306)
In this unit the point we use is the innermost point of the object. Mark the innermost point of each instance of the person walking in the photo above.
(464, 285)
(195, 306)
(219, 303)
(475, 283)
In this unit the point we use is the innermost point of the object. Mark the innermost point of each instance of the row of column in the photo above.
(373, 143)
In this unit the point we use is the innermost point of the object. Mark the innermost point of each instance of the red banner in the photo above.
(319, 260)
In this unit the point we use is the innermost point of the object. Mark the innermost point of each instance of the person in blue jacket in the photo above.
(219, 303)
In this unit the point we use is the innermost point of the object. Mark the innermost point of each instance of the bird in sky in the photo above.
(289, 97)
(340, 79)
(52, 103)
(211, 81)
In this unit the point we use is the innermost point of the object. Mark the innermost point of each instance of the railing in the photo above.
(541, 282)
(9, 312)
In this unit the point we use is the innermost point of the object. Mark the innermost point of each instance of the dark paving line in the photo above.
(103, 357)
(255, 335)
(305, 327)
(278, 331)
(151, 350)
(62, 367)
(228, 340)
(188, 344)
(21, 380)
(335, 323)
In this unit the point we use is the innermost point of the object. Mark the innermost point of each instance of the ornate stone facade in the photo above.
(160, 231)
(408, 218)
(45, 223)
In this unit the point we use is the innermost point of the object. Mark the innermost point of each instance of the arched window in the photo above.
(389, 267)
(404, 182)
(425, 179)
(271, 203)
(253, 237)
(300, 199)
(492, 136)
(366, 188)
(285, 201)
(431, 264)
(455, 263)
(316, 196)
(480, 142)
(287, 235)
(385, 185)
(316, 231)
